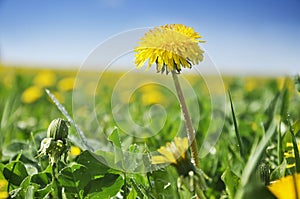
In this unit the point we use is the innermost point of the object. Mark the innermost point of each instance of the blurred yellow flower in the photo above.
(171, 152)
(285, 188)
(45, 79)
(58, 96)
(170, 47)
(66, 84)
(3, 187)
(74, 151)
(31, 94)
(3, 194)
(151, 95)
(251, 84)
(8, 79)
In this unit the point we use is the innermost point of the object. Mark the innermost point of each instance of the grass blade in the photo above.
(63, 110)
(295, 147)
(256, 154)
(237, 133)
(279, 145)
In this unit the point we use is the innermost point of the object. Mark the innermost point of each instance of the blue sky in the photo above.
(242, 36)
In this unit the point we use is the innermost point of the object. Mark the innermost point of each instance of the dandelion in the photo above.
(31, 94)
(170, 47)
(66, 84)
(175, 153)
(287, 187)
(44, 79)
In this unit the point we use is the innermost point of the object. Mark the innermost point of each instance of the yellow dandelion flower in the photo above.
(170, 47)
(285, 188)
(171, 152)
(175, 153)
(45, 79)
(74, 151)
(31, 94)
(66, 84)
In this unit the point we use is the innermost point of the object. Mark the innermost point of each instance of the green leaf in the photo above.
(279, 171)
(41, 179)
(284, 100)
(115, 139)
(30, 192)
(272, 109)
(132, 194)
(94, 163)
(74, 178)
(165, 183)
(231, 181)
(296, 127)
(24, 186)
(104, 187)
(256, 154)
(15, 172)
(42, 193)
(256, 190)
(295, 146)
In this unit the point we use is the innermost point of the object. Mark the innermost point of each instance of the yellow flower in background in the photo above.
(171, 152)
(251, 84)
(151, 95)
(285, 188)
(170, 47)
(8, 79)
(66, 84)
(31, 94)
(58, 96)
(74, 151)
(45, 79)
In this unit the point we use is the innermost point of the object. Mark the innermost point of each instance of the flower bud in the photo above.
(58, 129)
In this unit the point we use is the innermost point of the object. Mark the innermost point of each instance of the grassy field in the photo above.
(256, 141)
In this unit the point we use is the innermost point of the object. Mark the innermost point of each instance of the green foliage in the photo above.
(256, 137)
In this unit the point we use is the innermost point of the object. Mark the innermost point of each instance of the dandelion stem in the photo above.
(188, 121)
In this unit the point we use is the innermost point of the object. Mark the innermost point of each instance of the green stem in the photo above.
(188, 121)
(57, 191)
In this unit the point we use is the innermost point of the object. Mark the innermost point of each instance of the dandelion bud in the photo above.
(58, 129)
(55, 146)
